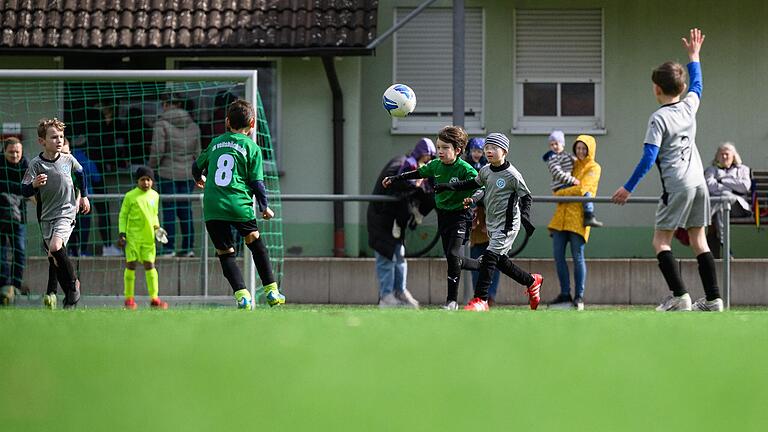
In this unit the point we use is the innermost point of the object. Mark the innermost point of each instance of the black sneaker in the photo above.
(591, 221)
(562, 301)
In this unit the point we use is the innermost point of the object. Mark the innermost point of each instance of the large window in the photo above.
(558, 70)
(424, 61)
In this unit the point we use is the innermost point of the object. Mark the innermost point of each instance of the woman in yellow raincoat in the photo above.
(567, 224)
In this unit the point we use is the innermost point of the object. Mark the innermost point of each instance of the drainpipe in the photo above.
(338, 154)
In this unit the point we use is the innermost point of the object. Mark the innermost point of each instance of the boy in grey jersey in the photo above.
(50, 179)
(670, 142)
(507, 204)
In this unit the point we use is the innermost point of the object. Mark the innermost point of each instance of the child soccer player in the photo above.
(560, 164)
(453, 220)
(49, 178)
(235, 162)
(139, 227)
(507, 205)
(671, 142)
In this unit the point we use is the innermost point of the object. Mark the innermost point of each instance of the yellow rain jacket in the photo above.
(570, 216)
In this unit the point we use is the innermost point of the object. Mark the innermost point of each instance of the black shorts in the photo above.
(221, 235)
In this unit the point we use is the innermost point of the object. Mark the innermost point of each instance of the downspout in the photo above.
(338, 155)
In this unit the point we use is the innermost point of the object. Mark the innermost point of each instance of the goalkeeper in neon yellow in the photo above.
(235, 164)
(139, 228)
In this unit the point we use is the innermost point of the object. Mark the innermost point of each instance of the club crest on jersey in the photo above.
(454, 180)
(66, 170)
(500, 183)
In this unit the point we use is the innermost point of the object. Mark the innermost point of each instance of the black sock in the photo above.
(516, 273)
(671, 272)
(470, 264)
(65, 273)
(231, 271)
(708, 275)
(485, 275)
(52, 281)
(261, 260)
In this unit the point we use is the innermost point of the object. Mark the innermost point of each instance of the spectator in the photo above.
(478, 242)
(103, 143)
(13, 213)
(567, 224)
(175, 145)
(78, 243)
(475, 156)
(386, 242)
(420, 199)
(727, 177)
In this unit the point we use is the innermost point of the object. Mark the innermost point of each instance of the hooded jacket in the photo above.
(175, 145)
(570, 216)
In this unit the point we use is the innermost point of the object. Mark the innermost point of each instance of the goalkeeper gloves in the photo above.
(161, 235)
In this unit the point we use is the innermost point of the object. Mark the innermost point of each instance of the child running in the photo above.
(507, 204)
(453, 219)
(238, 175)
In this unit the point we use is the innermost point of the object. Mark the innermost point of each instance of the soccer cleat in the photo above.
(534, 291)
(388, 301)
(406, 299)
(130, 303)
(477, 304)
(673, 303)
(72, 297)
(451, 306)
(702, 305)
(243, 299)
(49, 301)
(274, 298)
(579, 303)
(158, 304)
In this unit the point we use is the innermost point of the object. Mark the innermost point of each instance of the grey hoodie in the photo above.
(175, 145)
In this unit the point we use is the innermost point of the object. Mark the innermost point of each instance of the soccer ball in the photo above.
(399, 100)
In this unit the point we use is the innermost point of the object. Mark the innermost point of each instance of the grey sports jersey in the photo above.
(499, 186)
(57, 197)
(673, 129)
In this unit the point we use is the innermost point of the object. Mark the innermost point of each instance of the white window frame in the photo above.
(535, 125)
(430, 122)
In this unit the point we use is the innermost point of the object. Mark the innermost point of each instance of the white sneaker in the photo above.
(672, 303)
(451, 306)
(702, 305)
(579, 303)
(389, 301)
(396, 231)
(187, 254)
(111, 251)
(418, 218)
(406, 299)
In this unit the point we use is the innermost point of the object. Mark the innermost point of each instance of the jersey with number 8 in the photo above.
(233, 160)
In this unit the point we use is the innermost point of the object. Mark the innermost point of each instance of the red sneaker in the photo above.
(477, 304)
(159, 304)
(130, 303)
(534, 291)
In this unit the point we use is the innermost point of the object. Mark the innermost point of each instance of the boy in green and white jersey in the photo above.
(236, 165)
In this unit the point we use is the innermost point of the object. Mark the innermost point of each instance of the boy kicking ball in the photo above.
(671, 142)
(139, 228)
(234, 164)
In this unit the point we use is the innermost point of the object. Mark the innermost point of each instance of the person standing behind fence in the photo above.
(175, 145)
(727, 177)
(670, 142)
(13, 213)
(78, 244)
(567, 224)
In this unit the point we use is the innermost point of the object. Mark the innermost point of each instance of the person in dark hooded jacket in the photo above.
(13, 213)
(386, 220)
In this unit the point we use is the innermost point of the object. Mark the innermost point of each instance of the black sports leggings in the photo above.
(454, 236)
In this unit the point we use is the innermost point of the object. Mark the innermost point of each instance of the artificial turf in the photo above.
(350, 368)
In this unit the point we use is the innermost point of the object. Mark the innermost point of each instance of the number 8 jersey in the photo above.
(232, 161)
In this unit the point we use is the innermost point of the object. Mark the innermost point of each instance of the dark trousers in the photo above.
(13, 257)
(181, 209)
(454, 229)
(101, 208)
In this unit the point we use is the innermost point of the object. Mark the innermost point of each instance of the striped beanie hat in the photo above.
(499, 140)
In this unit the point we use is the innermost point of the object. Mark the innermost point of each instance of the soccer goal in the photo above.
(116, 121)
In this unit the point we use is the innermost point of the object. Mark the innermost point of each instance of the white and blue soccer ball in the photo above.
(399, 100)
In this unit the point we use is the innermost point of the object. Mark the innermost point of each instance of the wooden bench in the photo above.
(760, 192)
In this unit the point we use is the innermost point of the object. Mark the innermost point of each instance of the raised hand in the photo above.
(693, 45)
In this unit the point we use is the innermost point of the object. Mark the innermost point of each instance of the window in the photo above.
(424, 61)
(558, 71)
(211, 112)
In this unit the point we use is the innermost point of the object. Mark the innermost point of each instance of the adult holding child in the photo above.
(175, 146)
(567, 224)
(726, 177)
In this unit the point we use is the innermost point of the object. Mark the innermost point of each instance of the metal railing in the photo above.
(725, 214)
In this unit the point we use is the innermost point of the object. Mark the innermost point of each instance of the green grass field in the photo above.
(346, 368)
